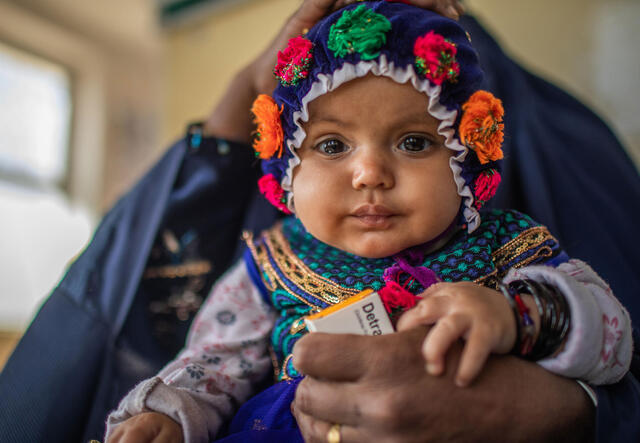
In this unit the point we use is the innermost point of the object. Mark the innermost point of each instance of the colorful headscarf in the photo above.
(409, 45)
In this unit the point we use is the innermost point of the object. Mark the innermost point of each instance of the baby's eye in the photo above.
(414, 143)
(331, 147)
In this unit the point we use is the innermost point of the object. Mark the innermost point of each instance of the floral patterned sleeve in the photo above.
(225, 355)
(599, 345)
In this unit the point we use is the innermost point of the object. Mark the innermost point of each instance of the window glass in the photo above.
(35, 114)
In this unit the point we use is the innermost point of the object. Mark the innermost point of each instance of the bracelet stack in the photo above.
(553, 310)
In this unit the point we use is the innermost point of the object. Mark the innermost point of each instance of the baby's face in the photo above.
(374, 176)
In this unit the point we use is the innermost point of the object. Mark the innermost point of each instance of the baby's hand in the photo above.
(479, 315)
(147, 427)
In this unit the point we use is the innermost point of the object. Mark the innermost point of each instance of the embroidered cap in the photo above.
(401, 42)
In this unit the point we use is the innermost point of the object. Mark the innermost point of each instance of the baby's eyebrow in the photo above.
(410, 117)
(315, 119)
(413, 116)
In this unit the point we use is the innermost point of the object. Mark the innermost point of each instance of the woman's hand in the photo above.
(231, 118)
(376, 388)
(464, 310)
(148, 427)
(309, 13)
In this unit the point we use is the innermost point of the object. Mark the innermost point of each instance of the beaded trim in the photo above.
(191, 269)
(491, 280)
(530, 241)
(277, 254)
(274, 362)
(284, 375)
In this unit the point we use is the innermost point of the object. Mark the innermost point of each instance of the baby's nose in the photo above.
(371, 171)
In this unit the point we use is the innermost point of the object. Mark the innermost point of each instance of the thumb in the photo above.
(336, 357)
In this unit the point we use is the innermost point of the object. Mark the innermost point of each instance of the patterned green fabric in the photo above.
(505, 239)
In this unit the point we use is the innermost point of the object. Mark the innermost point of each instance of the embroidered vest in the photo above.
(300, 275)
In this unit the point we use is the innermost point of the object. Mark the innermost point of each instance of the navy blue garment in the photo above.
(565, 168)
(92, 340)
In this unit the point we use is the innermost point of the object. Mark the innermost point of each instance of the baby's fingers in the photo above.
(426, 312)
(439, 340)
(474, 355)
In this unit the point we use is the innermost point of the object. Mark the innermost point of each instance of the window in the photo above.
(35, 119)
(41, 229)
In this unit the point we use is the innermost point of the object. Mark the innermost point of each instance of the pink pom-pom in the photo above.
(396, 299)
(273, 192)
(436, 58)
(293, 63)
(485, 186)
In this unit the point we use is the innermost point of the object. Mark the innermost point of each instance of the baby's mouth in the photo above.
(374, 216)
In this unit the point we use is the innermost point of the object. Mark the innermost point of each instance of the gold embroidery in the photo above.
(298, 325)
(191, 269)
(274, 362)
(294, 268)
(527, 240)
(260, 257)
(489, 280)
(285, 368)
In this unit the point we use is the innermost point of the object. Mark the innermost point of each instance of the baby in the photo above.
(381, 142)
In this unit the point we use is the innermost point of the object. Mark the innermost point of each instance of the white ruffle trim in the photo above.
(381, 67)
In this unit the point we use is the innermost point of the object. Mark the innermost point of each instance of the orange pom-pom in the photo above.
(481, 127)
(269, 135)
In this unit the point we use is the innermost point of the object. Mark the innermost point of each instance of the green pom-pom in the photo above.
(359, 30)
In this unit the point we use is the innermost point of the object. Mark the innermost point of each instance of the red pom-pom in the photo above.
(293, 62)
(396, 299)
(485, 186)
(273, 192)
(436, 58)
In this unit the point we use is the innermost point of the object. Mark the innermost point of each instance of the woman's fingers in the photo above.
(449, 8)
(328, 401)
(314, 430)
(459, 7)
(310, 12)
(315, 355)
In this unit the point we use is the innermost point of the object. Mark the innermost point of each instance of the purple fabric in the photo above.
(266, 417)
(425, 276)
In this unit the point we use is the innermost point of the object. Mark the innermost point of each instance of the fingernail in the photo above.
(460, 383)
(451, 11)
(432, 368)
